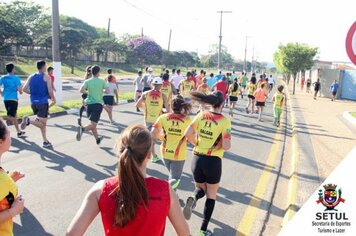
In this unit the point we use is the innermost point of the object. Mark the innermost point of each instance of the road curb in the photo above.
(71, 111)
(347, 116)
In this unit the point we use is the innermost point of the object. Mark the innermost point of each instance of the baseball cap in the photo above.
(149, 69)
(157, 80)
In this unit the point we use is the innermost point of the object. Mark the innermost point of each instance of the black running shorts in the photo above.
(260, 104)
(94, 112)
(40, 110)
(108, 100)
(251, 96)
(206, 169)
(11, 107)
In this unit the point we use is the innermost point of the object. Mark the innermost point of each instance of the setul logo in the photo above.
(330, 198)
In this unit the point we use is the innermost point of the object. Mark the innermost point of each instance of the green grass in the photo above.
(353, 114)
(27, 111)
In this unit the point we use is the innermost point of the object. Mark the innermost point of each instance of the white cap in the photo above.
(157, 81)
(149, 69)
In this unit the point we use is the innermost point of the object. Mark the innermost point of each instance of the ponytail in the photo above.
(214, 99)
(179, 106)
(132, 192)
(236, 86)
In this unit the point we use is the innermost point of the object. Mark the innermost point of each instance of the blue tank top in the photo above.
(38, 89)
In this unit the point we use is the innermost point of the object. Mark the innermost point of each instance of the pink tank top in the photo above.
(150, 221)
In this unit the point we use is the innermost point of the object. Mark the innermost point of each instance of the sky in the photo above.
(195, 23)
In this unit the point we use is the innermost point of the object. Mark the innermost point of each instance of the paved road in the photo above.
(57, 179)
(71, 91)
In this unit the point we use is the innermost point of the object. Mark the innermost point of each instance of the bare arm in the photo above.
(191, 136)
(26, 87)
(116, 91)
(176, 216)
(141, 101)
(49, 87)
(165, 102)
(83, 89)
(16, 208)
(87, 212)
(156, 133)
(226, 143)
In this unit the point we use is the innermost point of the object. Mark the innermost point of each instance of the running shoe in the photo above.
(247, 110)
(21, 134)
(79, 133)
(113, 122)
(47, 144)
(155, 159)
(79, 121)
(205, 233)
(187, 210)
(98, 140)
(25, 122)
(174, 183)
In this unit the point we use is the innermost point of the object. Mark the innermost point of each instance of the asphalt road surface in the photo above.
(57, 179)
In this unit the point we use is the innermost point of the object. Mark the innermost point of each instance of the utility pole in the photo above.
(108, 36)
(56, 54)
(245, 54)
(169, 40)
(253, 55)
(141, 32)
(220, 37)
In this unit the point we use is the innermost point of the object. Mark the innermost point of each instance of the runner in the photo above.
(200, 78)
(210, 133)
(113, 77)
(109, 97)
(176, 80)
(168, 88)
(244, 81)
(146, 80)
(271, 83)
(260, 81)
(138, 88)
(204, 87)
(309, 82)
(186, 86)
(12, 86)
(260, 95)
(11, 204)
(302, 82)
(219, 76)
(211, 81)
(131, 203)
(94, 87)
(317, 86)
(50, 70)
(278, 99)
(234, 91)
(222, 86)
(251, 88)
(153, 101)
(169, 128)
(333, 88)
(87, 76)
(39, 86)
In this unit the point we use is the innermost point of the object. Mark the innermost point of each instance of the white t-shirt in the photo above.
(176, 80)
(270, 80)
(139, 85)
(111, 89)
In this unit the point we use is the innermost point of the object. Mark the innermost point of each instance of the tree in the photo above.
(144, 50)
(294, 57)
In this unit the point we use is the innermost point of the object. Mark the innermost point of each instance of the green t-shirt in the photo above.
(232, 77)
(244, 80)
(95, 87)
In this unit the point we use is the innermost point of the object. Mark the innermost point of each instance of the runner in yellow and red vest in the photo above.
(186, 86)
(153, 101)
(170, 128)
(168, 88)
(210, 133)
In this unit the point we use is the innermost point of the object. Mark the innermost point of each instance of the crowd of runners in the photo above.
(178, 110)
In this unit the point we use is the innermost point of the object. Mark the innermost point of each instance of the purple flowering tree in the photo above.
(143, 50)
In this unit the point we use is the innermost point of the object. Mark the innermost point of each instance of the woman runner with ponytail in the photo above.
(210, 133)
(170, 128)
(131, 203)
